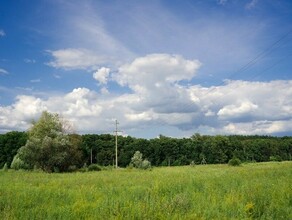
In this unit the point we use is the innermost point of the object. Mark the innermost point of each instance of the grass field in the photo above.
(252, 191)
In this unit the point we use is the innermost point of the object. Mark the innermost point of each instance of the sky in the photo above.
(159, 67)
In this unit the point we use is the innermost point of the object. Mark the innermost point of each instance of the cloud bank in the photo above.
(159, 96)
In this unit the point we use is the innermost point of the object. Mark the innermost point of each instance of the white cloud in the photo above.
(159, 99)
(104, 91)
(101, 75)
(3, 72)
(155, 69)
(90, 43)
(155, 79)
(73, 58)
(2, 33)
(251, 108)
(57, 76)
(35, 80)
(245, 107)
(259, 127)
(251, 4)
(29, 60)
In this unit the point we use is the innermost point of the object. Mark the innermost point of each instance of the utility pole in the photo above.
(116, 131)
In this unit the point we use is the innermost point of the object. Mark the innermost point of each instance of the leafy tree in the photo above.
(49, 147)
(137, 159)
(138, 162)
(18, 164)
(9, 145)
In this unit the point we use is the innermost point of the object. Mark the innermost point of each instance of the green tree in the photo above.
(9, 145)
(138, 162)
(137, 159)
(49, 147)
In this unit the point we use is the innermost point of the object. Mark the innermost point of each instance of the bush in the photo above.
(192, 164)
(138, 162)
(275, 158)
(234, 162)
(137, 159)
(94, 167)
(146, 164)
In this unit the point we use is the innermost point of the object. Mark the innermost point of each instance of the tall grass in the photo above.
(251, 191)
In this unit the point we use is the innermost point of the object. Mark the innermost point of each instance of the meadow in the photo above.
(251, 191)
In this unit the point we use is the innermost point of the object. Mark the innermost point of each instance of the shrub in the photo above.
(94, 167)
(138, 162)
(146, 164)
(192, 164)
(234, 162)
(137, 159)
(72, 168)
(275, 158)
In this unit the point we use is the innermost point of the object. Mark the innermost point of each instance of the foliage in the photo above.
(146, 164)
(49, 147)
(137, 159)
(94, 167)
(234, 162)
(166, 151)
(192, 164)
(18, 163)
(256, 191)
(138, 162)
(161, 151)
(5, 167)
(9, 145)
(275, 158)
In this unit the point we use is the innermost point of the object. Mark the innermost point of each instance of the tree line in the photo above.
(163, 151)
(47, 146)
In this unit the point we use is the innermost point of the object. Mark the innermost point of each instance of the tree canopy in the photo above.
(48, 146)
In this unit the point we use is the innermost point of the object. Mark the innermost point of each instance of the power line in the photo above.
(261, 55)
(245, 67)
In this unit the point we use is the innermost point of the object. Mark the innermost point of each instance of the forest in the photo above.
(162, 151)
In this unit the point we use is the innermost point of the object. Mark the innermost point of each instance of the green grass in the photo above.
(251, 191)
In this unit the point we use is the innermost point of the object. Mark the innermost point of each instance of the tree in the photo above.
(9, 145)
(137, 159)
(138, 162)
(49, 147)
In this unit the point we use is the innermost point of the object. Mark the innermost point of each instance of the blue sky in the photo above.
(159, 67)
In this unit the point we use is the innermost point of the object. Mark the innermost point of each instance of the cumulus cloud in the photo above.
(245, 107)
(101, 75)
(72, 58)
(159, 99)
(253, 108)
(157, 68)
(259, 127)
(155, 78)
